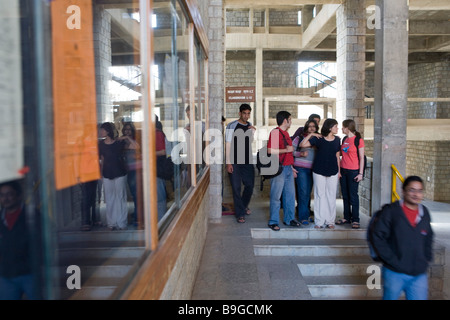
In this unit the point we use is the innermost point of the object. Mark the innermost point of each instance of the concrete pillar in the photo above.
(350, 55)
(307, 16)
(391, 93)
(103, 60)
(216, 69)
(259, 87)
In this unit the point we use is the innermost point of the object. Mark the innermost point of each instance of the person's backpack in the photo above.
(357, 139)
(370, 228)
(264, 164)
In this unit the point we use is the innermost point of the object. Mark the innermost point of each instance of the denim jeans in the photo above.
(415, 287)
(282, 186)
(349, 189)
(132, 184)
(242, 174)
(162, 197)
(304, 188)
(14, 288)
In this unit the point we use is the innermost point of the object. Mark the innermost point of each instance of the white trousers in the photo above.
(116, 202)
(324, 199)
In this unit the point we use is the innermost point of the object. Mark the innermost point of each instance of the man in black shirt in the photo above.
(239, 164)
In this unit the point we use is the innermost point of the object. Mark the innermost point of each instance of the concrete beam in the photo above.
(128, 30)
(320, 27)
(272, 4)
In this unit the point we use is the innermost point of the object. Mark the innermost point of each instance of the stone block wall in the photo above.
(182, 278)
(238, 18)
(239, 73)
(275, 108)
(283, 17)
(430, 161)
(280, 74)
(426, 159)
(429, 80)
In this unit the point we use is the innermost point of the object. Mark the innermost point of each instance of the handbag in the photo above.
(164, 167)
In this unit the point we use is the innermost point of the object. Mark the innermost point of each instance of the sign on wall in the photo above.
(74, 105)
(11, 104)
(240, 94)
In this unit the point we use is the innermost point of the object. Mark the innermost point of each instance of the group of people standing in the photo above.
(119, 166)
(309, 159)
(400, 233)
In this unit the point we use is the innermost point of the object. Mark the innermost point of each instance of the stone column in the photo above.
(307, 16)
(391, 93)
(216, 76)
(351, 56)
(259, 88)
(103, 60)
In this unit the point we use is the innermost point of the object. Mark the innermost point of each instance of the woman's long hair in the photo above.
(306, 127)
(351, 126)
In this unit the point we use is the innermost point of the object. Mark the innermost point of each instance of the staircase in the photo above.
(314, 79)
(333, 263)
(107, 259)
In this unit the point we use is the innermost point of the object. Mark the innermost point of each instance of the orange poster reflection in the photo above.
(75, 115)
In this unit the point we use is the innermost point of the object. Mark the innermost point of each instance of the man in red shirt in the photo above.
(16, 278)
(282, 186)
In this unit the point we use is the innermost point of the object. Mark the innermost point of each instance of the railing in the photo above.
(395, 174)
(307, 80)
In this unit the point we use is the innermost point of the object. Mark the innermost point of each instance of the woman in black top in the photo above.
(114, 173)
(325, 172)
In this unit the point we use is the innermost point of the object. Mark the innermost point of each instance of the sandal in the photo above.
(318, 227)
(356, 225)
(293, 223)
(247, 211)
(330, 226)
(342, 221)
(241, 220)
(274, 227)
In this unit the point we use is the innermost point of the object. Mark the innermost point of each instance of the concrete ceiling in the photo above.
(429, 29)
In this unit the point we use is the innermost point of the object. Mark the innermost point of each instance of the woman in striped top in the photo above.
(303, 162)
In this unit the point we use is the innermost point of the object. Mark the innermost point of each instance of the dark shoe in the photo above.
(241, 220)
(274, 227)
(342, 221)
(293, 223)
(355, 225)
(305, 222)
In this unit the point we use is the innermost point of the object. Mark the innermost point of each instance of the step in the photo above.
(73, 255)
(101, 271)
(341, 287)
(101, 236)
(311, 250)
(335, 269)
(89, 293)
(307, 233)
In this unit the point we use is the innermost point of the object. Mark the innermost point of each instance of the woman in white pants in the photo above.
(325, 172)
(114, 173)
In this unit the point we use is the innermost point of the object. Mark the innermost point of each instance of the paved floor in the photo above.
(230, 270)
